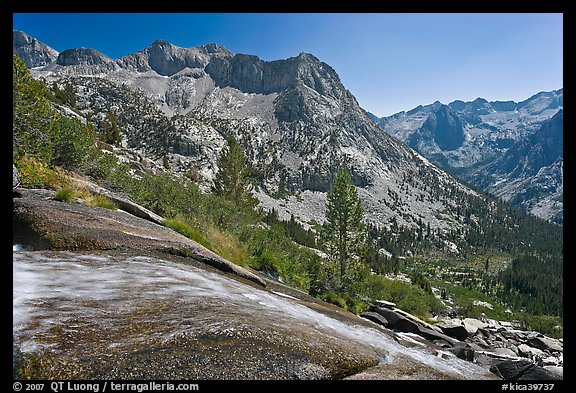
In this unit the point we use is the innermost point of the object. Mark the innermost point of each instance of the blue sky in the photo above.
(390, 62)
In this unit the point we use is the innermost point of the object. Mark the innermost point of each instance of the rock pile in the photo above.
(503, 347)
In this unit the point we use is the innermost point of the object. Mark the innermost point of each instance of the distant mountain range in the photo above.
(513, 150)
(296, 121)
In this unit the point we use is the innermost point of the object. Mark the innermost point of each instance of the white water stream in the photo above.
(49, 291)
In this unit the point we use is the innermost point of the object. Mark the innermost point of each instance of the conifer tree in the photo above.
(110, 129)
(232, 181)
(344, 234)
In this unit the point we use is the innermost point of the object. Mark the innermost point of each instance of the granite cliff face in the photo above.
(33, 52)
(530, 172)
(166, 59)
(443, 128)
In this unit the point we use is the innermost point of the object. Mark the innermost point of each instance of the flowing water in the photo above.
(81, 301)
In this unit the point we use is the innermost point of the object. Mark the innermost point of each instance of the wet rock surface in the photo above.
(125, 316)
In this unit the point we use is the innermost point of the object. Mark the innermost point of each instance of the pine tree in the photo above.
(33, 118)
(344, 235)
(110, 129)
(232, 182)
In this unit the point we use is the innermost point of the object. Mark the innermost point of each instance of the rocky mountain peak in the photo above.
(550, 136)
(305, 56)
(160, 43)
(250, 74)
(214, 49)
(167, 59)
(82, 56)
(33, 52)
(543, 101)
(499, 137)
(444, 127)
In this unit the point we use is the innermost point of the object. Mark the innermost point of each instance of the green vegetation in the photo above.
(64, 195)
(232, 182)
(102, 201)
(343, 234)
(505, 257)
(546, 324)
(33, 119)
(180, 226)
(534, 282)
(110, 129)
(35, 174)
(40, 132)
(293, 229)
(65, 95)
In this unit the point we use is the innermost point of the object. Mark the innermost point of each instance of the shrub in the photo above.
(408, 297)
(103, 167)
(74, 143)
(546, 324)
(336, 299)
(35, 174)
(228, 246)
(356, 306)
(182, 227)
(102, 201)
(64, 195)
(33, 118)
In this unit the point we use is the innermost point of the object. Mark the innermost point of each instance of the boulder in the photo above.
(397, 321)
(506, 324)
(538, 373)
(463, 351)
(406, 325)
(545, 344)
(530, 352)
(413, 339)
(481, 342)
(472, 325)
(375, 317)
(385, 304)
(551, 361)
(417, 320)
(559, 371)
(510, 334)
(391, 316)
(504, 351)
(435, 336)
(453, 329)
(522, 370)
(511, 369)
